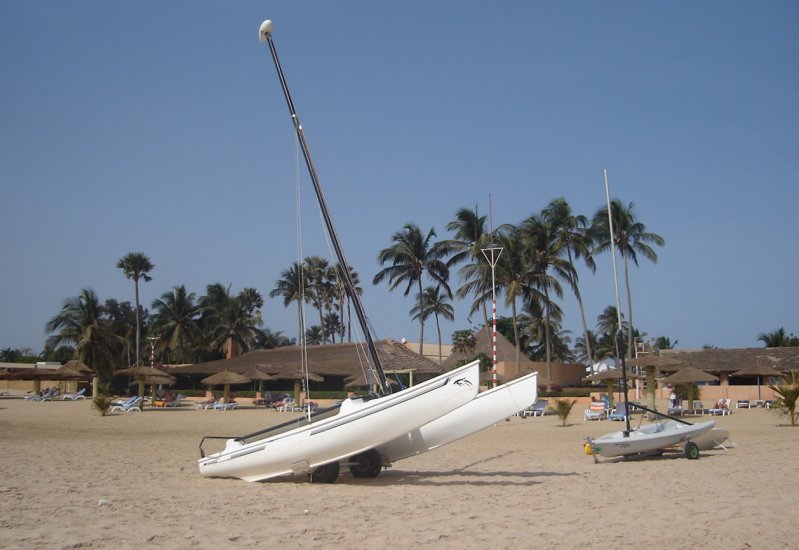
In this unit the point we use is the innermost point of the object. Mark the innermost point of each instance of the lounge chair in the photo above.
(177, 402)
(208, 403)
(596, 411)
(287, 405)
(47, 396)
(131, 405)
(539, 408)
(226, 406)
(722, 408)
(743, 404)
(74, 396)
(620, 413)
(676, 411)
(698, 408)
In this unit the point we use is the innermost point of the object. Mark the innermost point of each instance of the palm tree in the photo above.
(511, 277)
(344, 301)
(664, 342)
(136, 266)
(544, 252)
(81, 323)
(631, 238)
(232, 322)
(572, 236)
(470, 239)
(290, 287)
(581, 349)
(316, 272)
(463, 341)
(176, 320)
(432, 302)
(778, 339)
(787, 397)
(411, 255)
(608, 326)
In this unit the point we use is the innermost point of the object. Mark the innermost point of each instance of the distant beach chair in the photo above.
(177, 402)
(226, 406)
(74, 396)
(539, 408)
(596, 411)
(722, 408)
(287, 405)
(47, 396)
(698, 408)
(208, 403)
(743, 404)
(131, 405)
(620, 413)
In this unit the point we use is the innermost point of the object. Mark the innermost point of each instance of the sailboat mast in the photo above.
(619, 345)
(265, 34)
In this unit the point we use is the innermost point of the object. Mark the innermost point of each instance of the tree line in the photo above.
(538, 258)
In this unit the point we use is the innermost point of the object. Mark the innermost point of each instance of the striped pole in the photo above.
(494, 337)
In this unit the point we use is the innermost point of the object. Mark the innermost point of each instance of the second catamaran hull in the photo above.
(485, 409)
(358, 426)
(651, 437)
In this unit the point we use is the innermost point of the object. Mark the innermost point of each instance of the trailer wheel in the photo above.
(366, 464)
(326, 473)
(691, 450)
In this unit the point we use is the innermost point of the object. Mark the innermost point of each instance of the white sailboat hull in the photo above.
(651, 437)
(358, 426)
(485, 409)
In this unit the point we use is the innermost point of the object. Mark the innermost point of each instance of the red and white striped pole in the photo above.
(492, 254)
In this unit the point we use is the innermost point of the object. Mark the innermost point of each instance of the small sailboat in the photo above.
(651, 438)
(349, 431)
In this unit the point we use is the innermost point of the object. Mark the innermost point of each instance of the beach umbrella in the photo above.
(758, 370)
(145, 375)
(298, 376)
(610, 376)
(689, 375)
(75, 370)
(652, 362)
(226, 378)
(256, 374)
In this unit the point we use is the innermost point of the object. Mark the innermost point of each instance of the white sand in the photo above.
(70, 478)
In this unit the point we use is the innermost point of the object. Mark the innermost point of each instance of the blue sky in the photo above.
(160, 127)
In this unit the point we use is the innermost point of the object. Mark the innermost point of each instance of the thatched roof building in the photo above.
(330, 360)
(727, 361)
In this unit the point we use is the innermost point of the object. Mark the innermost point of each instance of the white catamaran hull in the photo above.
(358, 426)
(481, 412)
(651, 437)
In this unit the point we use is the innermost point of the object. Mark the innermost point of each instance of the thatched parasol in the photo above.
(256, 374)
(146, 375)
(226, 378)
(611, 374)
(298, 376)
(758, 369)
(75, 370)
(689, 375)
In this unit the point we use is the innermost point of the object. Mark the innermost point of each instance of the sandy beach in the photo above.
(70, 478)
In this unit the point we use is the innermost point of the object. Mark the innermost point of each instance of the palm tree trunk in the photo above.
(588, 349)
(438, 329)
(546, 343)
(516, 337)
(421, 318)
(138, 320)
(629, 308)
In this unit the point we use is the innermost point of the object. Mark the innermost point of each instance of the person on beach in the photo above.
(673, 398)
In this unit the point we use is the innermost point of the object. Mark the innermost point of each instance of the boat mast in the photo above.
(619, 345)
(265, 34)
(492, 254)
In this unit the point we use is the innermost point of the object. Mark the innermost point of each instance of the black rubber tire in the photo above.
(691, 450)
(366, 464)
(326, 473)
